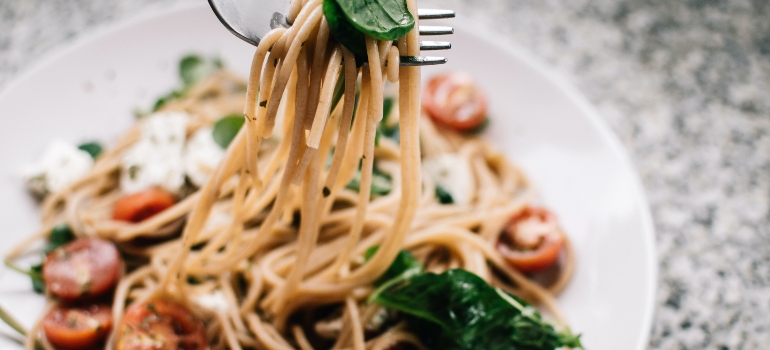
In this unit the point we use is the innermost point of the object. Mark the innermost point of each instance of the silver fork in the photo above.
(250, 20)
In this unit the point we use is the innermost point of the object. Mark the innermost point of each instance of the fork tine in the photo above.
(436, 30)
(434, 13)
(421, 60)
(435, 45)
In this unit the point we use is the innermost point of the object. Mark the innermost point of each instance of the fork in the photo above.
(250, 20)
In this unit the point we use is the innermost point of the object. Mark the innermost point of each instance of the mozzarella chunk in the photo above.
(453, 174)
(156, 158)
(214, 301)
(202, 155)
(61, 165)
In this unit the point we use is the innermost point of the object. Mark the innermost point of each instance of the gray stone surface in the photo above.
(685, 85)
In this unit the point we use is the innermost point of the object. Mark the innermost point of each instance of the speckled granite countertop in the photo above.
(685, 85)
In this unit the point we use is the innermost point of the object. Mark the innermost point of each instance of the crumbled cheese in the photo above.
(217, 219)
(156, 159)
(453, 174)
(61, 165)
(529, 233)
(202, 155)
(378, 319)
(214, 301)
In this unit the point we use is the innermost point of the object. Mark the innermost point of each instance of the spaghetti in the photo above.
(275, 235)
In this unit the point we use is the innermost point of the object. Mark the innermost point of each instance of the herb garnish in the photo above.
(227, 128)
(60, 235)
(404, 266)
(443, 196)
(381, 182)
(92, 148)
(350, 20)
(457, 310)
(192, 69)
(386, 128)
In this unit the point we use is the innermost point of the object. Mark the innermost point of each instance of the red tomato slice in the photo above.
(531, 241)
(76, 327)
(453, 100)
(84, 268)
(158, 325)
(139, 206)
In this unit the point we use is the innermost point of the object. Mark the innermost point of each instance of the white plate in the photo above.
(540, 121)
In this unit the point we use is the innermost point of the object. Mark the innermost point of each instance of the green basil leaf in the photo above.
(93, 148)
(444, 197)
(35, 273)
(457, 310)
(60, 235)
(226, 128)
(387, 107)
(384, 128)
(344, 32)
(193, 68)
(161, 101)
(404, 266)
(379, 19)
(381, 182)
(38, 285)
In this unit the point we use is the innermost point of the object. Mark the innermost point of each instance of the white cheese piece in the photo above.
(217, 219)
(453, 174)
(214, 301)
(378, 319)
(156, 159)
(202, 155)
(530, 232)
(61, 165)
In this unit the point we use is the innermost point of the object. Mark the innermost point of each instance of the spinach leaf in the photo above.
(193, 68)
(387, 107)
(35, 273)
(93, 148)
(60, 235)
(444, 197)
(404, 266)
(350, 20)
(162, 100)
(381, 182)
(457, 310)
(344, 32)
(226, 128)
(379, 19)
(385, 128)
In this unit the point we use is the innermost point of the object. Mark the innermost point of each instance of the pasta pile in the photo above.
(275, 231)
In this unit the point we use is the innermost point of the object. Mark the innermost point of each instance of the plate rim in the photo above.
(492, 37)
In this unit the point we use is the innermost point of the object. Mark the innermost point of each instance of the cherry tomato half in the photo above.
(142, 205)
(158, 325)
(453, 100)
(532, 240)
(84, 268)
(78, 327)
